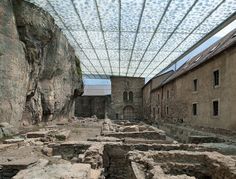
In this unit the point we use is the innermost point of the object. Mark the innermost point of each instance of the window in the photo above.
(195, 85)
(194, 109)
(216, 79)
(158, 110)
(117, 116)
(215, 108)
(125, 96)
(168, 94)
(131, 96)
(167, 110)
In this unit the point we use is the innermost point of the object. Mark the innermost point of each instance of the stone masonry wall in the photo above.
(87, 106)
(119, 86)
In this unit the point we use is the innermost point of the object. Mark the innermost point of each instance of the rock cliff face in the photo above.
(13, 67)
(41, 81)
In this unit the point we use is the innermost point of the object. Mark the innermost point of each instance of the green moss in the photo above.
(78, 69)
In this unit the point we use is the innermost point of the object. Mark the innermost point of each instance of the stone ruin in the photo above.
(122, 150)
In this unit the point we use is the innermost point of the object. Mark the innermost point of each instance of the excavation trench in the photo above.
(135, 161)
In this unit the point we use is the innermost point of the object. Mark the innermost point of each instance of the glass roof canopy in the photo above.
(135, 37)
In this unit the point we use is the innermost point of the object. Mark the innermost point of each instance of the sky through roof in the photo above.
(136, 38)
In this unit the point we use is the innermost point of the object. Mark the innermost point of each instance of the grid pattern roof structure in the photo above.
(136, 38)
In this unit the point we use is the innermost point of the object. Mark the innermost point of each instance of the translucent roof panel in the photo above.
(136, 37)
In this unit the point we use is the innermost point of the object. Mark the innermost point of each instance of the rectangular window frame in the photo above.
(195, 112)
(195, 85)
(214, 78)
(213, 110)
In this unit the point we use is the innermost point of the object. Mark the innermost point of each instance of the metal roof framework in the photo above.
(137, 38)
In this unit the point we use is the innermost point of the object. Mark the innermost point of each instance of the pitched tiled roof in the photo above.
(228, 41)
(158, 76)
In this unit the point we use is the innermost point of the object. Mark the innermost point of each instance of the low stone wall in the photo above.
(187, 134)
(125, 129)
(182, 165)
(112, 156)
(144, 135)
(69, 150)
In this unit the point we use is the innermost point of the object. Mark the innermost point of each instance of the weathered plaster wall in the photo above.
(147, 101)
(152, 97)
(206, 93)
(182, 96)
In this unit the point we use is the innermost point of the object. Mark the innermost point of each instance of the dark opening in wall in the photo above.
(216, 75)
(215, 108)
(195, 85)
(131, 96)
(195, 109)
(125, 96)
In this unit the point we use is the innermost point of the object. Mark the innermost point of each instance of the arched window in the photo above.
(131, 96)
(125, 96)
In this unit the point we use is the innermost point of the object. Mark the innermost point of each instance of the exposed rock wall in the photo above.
(13, 67)
(41, 81)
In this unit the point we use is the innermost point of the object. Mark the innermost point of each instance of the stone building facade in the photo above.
(87, 106)
(126, 98)
(151, 100)
(202, 92)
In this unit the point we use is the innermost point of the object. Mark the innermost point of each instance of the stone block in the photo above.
(37, 134)
(63, 135)
(203, 139)
(11, 141)
(63, 171)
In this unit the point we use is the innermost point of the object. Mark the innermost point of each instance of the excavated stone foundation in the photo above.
(126, 156)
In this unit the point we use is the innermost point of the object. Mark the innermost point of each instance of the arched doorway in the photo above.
(128, 113)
